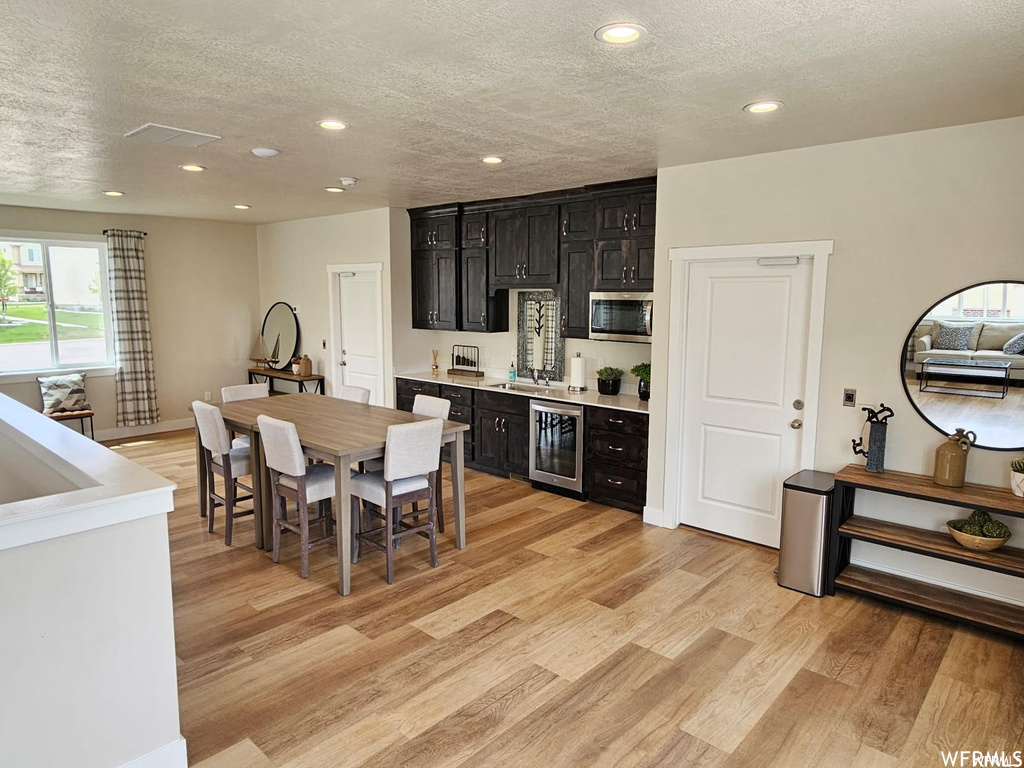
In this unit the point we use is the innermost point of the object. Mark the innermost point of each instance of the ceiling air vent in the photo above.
(165, 134)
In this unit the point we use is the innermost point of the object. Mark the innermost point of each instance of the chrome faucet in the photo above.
(536, 375)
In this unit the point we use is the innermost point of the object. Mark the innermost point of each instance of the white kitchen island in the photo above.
(86, 618)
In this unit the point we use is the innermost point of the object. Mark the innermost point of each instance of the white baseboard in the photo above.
(173, 755)
(658, 517)
(149, 429)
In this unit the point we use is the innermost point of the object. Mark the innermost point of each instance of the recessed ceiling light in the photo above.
(113, 193)
(265, 152)
(492, 159)
(334, 189)
(242, 207)
(761, 107)
(332, 125)
(193, 168)
(620, 33)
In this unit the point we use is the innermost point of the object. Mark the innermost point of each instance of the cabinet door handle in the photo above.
(430, 237)
(483, 318)
(565, 224)
(524, 270)
(616, 448)
(616, 421)
(482, 239)
(623, 274)
(632, 274)
(417, 389)
(634, 222)
(614, 482)
(496, 420)
(625, 223)
(564, 322)
(517, 270)
(502, 425)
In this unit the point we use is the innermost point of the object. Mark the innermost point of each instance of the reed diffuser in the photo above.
(434, 367)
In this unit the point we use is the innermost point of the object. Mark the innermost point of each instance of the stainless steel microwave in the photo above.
(618, 316)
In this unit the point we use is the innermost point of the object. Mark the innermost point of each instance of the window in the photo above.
(1002, 301)
(55, 309)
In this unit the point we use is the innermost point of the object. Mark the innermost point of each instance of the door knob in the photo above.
(798, 404)
(342, 363)
(796, 424)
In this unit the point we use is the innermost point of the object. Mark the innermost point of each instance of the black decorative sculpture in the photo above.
(876, 438)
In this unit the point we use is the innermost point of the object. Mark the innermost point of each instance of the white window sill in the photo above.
(24, 377)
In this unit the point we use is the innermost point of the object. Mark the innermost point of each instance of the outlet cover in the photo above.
(850, 398)
(207, 396)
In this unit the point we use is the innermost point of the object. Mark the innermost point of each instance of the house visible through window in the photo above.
(55, 307)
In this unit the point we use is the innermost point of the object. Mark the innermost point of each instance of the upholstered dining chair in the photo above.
(243, 392)
(221, 458)
(435, 408)
(355, 394)
(412, 456)
(292, 478)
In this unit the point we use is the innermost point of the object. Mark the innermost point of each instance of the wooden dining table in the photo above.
(337, 431)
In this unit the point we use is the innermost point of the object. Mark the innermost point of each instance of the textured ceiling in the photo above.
(430, 86)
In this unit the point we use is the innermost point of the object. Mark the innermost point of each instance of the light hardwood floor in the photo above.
(566, 634)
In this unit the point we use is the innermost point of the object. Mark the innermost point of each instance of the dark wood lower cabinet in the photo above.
(615, 458)
(503, 442)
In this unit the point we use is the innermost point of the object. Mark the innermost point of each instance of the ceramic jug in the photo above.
(951, 459)
(305, 366)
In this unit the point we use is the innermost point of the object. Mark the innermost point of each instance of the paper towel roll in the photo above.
(577, 374)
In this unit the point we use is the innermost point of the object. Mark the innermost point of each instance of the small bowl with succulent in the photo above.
(1017, 477)
(979, 532)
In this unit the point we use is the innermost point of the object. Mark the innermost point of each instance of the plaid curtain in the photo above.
(135, 381)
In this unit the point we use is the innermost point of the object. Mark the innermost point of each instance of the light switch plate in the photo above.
(850, 397)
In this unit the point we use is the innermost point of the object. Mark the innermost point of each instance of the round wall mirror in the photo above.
(963, 364)
(280, 335)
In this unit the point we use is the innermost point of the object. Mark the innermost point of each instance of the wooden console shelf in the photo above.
(845, 526)
(271, 375)
(979, 611)
(935, 543)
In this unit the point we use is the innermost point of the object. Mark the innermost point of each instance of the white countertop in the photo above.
(58, 482)
(557, 390)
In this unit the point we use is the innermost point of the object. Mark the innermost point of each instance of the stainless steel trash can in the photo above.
(803, 550)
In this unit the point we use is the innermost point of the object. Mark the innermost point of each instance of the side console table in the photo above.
(846, 526)
(271, 375)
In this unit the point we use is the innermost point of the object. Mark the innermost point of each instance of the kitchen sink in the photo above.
(515, 386)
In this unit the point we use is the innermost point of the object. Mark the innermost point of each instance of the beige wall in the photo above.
(293, 260)
(203, 302)
(914, 217)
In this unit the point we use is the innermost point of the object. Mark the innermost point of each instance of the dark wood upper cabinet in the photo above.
(473, 285)
(423, 289)
(641, 251)
(612, 216)
(446, 307)
(624, 265)
(474, 230)
(505, 242)
(644, 207)
(625, 215)
(540, 263)
(577, 277)
(434, 287)
(576, 221)
(432, 232)
(611, 267)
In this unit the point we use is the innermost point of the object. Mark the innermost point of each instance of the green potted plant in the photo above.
(643, 372)
(609, 379)
(1017, 476)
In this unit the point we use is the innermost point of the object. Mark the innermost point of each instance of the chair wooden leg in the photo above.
(329, 521)
(279, 510)
(303, 510)
(356, 510)
(438, 495)
(211, 502)
(432, 520)
(389, 535)
(229, 507)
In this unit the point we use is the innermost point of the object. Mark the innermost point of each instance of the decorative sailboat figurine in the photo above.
(258, 355)
(275, 356)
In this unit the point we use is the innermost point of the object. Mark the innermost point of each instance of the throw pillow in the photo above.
(952, 336)
(1014, 346)
(63, 393)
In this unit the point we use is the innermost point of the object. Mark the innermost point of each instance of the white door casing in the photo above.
(357, 328)
(726, 410)
(746, 345)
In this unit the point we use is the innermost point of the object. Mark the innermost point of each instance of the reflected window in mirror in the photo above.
(540, 343)
(963, 364)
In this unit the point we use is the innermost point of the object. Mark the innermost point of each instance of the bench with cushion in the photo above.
(64, 399)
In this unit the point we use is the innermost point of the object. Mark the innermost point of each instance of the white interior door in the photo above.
(746, 349)
(359, 337)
